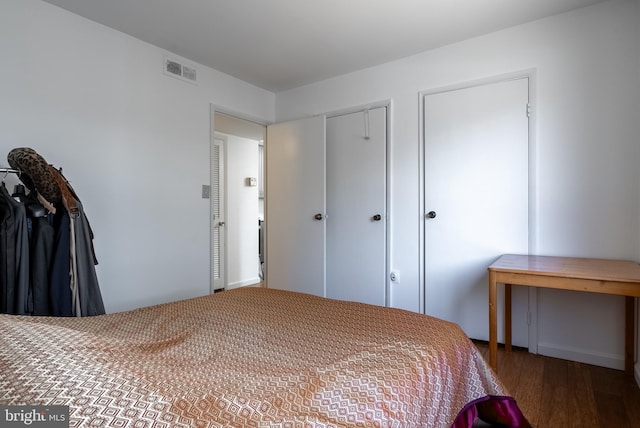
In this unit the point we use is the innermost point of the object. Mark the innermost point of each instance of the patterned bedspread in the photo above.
(252, 357)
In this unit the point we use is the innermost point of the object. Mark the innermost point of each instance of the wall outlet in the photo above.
(206, 191)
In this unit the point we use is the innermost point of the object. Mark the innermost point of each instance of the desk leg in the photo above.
(493, 321)
(629, 333)
(507, 317)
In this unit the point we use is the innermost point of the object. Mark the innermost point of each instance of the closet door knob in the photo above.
(377, 217)
(431, 214)
(318, 216)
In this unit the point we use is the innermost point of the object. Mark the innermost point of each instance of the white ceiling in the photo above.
(282, 44)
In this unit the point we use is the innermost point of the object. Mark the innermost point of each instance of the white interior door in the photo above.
(295, 205)
(218, 209)
(476, 185)
(356, 206)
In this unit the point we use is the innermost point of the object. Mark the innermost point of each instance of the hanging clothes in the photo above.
(85, 292)
(15, 255)
(41, 244)
(41, 240)
(90, 298)
(60, 286)
(7, 255)
(62, 280)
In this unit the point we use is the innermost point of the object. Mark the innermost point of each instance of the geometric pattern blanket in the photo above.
(252, 357)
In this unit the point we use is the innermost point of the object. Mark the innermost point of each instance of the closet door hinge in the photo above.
(528, 110)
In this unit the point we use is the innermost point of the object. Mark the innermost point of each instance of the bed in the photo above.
(252, 357)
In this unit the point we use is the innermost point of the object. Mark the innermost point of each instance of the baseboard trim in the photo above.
(251, 281)
(587, 356)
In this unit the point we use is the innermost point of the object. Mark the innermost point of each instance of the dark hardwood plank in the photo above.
(581, 406)
(611, 410)
(631, 397)
(556, 393)
(528, 388)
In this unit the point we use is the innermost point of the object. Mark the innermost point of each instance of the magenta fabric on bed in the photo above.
(499, 410)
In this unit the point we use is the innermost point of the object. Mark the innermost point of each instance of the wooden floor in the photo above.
(554, 393)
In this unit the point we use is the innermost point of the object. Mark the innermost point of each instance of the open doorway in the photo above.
(237, 202)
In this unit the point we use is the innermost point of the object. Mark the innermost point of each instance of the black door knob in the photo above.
(377, 217)
(431, 214)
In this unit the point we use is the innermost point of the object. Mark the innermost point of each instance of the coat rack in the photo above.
(8, 171)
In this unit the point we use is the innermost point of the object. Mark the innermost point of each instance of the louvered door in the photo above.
(218, 210)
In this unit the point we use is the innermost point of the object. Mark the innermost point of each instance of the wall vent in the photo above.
(177, 69)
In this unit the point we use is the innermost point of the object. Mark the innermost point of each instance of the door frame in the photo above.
(388, 104)
(213, 109)
(532, 179)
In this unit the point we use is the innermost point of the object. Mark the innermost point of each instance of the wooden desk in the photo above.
(619, 277)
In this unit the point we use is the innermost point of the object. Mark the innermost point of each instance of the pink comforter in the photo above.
(252, 357)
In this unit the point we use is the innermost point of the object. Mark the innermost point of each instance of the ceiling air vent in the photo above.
(184, 72)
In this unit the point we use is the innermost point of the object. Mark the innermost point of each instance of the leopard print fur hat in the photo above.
(35, 172)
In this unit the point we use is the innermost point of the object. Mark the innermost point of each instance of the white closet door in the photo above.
(295, 205)
(356, 206)
(476, 184)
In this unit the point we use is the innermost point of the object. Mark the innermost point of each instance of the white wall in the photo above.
(587, 122)
(242, 212)
(134, 143)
